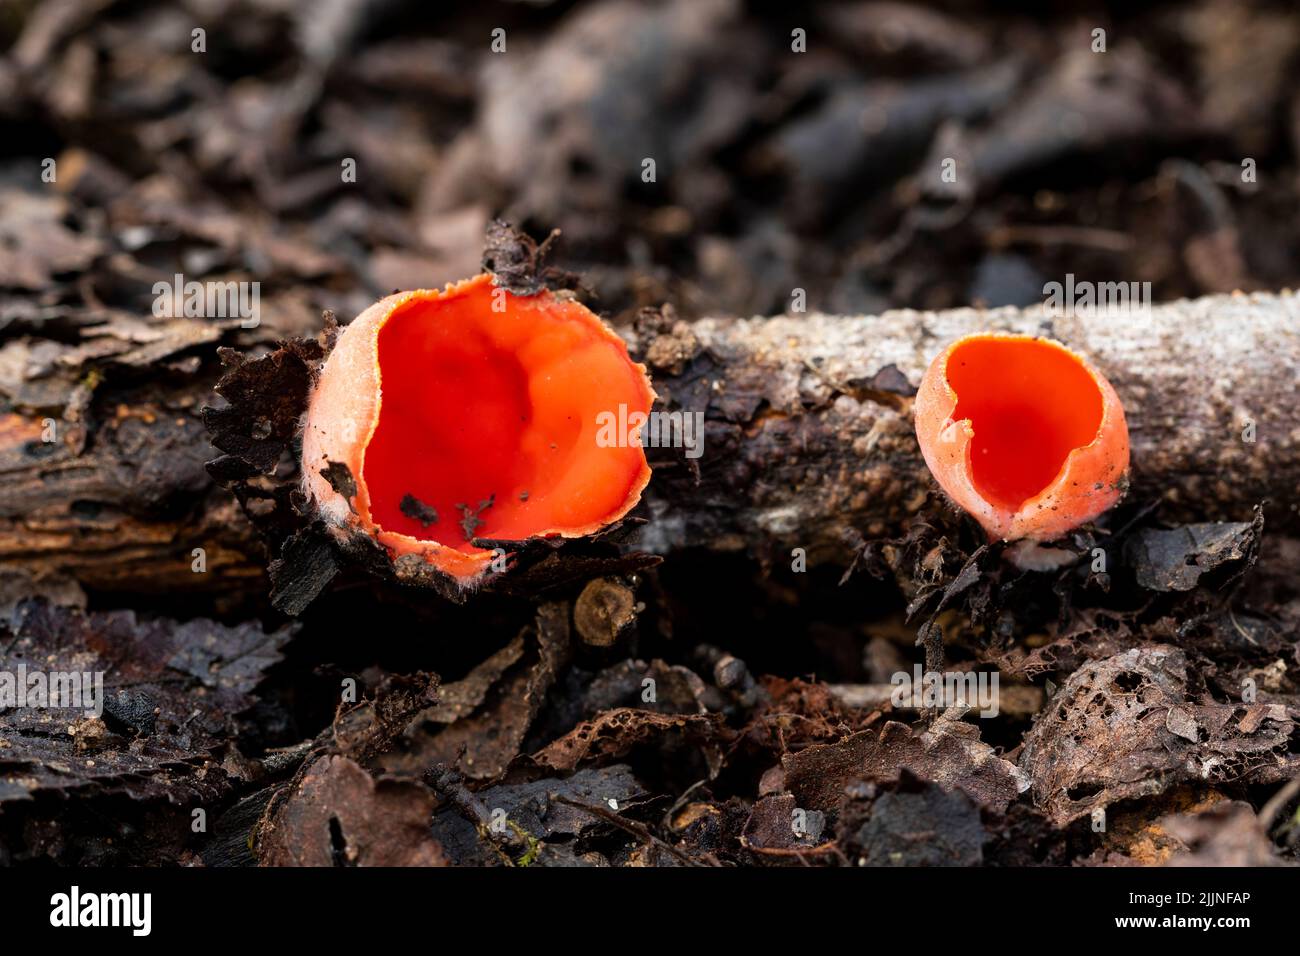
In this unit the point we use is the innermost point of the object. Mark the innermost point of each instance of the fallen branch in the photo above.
(809, 417)
(808, 435)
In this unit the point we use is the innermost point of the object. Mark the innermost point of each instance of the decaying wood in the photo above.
(122, 509)
(808, 435)
(810, 428)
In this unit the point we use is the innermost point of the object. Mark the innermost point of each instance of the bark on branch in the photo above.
(810, 417)
(809, 434)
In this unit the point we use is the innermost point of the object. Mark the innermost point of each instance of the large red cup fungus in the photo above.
(471, 413)
(1022, 433)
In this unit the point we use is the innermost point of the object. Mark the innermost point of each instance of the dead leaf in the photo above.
(950, 753)
(336, 814)
(1134, 725)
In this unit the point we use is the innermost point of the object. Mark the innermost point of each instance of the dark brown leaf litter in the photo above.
(616, 733)
(518, 263)
(1132, 725)
(1177, 559)
(919, 823)
(176, 701)
(266, 398)
(336, 814)
(777, 825)
(775, 173)
(373, 727)
(172, 696)
(537, 822)
(1228, 834)
(949, 753)
(479, 723)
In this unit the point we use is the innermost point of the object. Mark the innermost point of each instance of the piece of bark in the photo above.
(808, 435)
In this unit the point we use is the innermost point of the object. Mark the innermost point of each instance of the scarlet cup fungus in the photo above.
(1022, 433)
(471, 413)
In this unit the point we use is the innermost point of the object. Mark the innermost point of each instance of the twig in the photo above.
(640, 831)
(1277, 802)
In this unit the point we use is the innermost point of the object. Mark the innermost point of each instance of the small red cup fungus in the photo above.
(471, 413)
(1022, 433)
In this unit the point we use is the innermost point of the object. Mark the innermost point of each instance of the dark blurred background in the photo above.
(774, 170)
